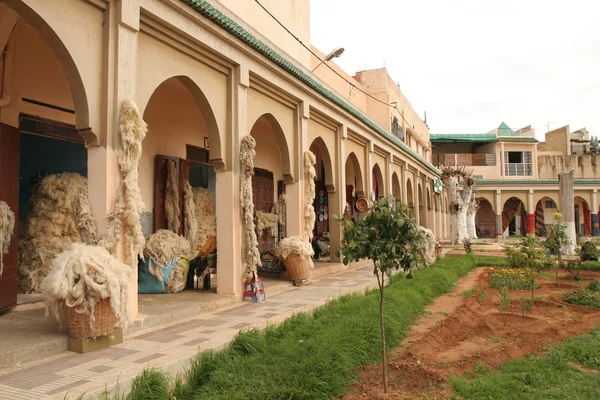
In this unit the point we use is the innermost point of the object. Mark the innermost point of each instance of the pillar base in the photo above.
(530, 224)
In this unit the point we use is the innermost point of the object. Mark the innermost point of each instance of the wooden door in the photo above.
(263, 191)
(160, 184)
(9, 193)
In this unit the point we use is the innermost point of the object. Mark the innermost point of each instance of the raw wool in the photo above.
(190, 223)
(280, 208)
(59, 215)
(250, 254)
(172, 210)
(205, 216)
(294, 245)
(163, 246)
(426, 245)
(7, 226)
(266, 221)
(82, 276)
(125, 217)
(177, 281)
(309, 193)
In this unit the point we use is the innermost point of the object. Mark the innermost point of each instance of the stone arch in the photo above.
(410, 200)
(79, 96)
(489, 197)
(514, 217)
(429, 205)
(284, 151)
(583, 222)
(485, 219)
(326, 158)
(353, 163)
(378, 184)
(212, 128)
(543, 214)
(396, 191)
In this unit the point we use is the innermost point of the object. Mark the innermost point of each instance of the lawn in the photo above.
(309, 356)
(570, 371)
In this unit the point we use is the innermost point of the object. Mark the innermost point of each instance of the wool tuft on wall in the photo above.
(205, 216)
(163, 246)
(7, 226)
(190, 223)
(309, 193)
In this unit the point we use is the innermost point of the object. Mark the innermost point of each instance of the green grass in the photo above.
(555, 376)
(491, 261)
(312, 356)
(589, 266)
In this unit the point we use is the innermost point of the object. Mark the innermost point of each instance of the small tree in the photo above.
(533, 259)
(385, 236)
(557, 238)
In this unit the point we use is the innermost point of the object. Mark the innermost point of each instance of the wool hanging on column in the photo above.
(7, 226)
(190, 223)
(250, 254)
(309, 193)
(125, 216)
(172, 210)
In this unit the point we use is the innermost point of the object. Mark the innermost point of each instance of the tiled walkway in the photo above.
(169, 348)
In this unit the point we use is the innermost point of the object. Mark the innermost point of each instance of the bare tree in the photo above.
(460, 199)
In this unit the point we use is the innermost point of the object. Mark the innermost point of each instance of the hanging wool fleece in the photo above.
(81, 277)
(190, 223)
(7, 226)
(309, 193)
(250, 254)
(128, 204)
(172, 210)
(205, 216)
(59, 215)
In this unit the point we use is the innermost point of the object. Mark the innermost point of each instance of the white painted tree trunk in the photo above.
(567, 209)
(471, 213)
(459, 205)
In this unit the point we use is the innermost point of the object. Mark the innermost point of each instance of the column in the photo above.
(594, 213)
(403, 184)
(369, 170)
(388, 175)
(530, 213)
(416, 199)
(499, 232)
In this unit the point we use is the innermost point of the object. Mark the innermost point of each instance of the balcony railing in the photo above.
(518, 169)
(466, 160)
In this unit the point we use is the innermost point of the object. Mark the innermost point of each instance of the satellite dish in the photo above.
(373, 196)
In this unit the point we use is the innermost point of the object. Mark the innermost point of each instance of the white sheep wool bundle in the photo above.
(205, 217)
(309, 193)
(59, 215)
(190, 223)
(250, 254)
(172, 210)
(294, 245)
(165, 245)
(81, 277)
(7, 226)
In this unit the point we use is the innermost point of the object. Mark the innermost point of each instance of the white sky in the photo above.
(471, 64)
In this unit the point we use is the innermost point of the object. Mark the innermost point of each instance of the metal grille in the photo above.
(518, 169)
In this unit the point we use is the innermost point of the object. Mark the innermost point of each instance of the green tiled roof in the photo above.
(462, 138)
(518, 139)
(207, 10)
(504, 130)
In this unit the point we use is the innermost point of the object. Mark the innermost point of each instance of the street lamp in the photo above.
(335, 53)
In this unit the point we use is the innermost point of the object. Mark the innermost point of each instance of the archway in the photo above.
(583, 218)
(181, 132)
(430, 222)
(44, 125)
(396, 188)
(354, 183)
(514, 217)
(410, 198)
(378, 185)
(422, 205)
(485, 219)
(544, 209)
(326, 235)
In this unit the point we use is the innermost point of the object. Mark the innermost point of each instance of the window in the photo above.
(518, 163)
(515, 157)
(550, 204)
(397, 129)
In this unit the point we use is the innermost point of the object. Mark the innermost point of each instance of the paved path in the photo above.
(169, 348)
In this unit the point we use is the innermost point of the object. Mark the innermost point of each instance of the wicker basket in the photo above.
(298, 268)
(79, 324)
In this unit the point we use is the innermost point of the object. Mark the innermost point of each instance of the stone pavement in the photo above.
(169, 348)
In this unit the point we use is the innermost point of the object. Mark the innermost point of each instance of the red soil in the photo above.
(461, 332)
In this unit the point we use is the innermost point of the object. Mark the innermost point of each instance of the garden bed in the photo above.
(477, 337)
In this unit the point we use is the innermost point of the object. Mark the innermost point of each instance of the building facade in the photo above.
(203, 74)
(517, 177)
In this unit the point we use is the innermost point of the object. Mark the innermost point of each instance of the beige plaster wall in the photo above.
(174, 120)
(318, 130)
(294, 14)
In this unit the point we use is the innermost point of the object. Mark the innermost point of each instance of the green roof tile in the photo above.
(462, 137)
(209, 11)
(504, 130)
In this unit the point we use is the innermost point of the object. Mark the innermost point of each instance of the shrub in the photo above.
(515, 259)
(491, 261)
(588, 252)
(511, 279)
(468, 245)
(583, 297)
(589, 266)
(594, 286)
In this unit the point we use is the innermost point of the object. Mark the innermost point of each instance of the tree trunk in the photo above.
(459, 204)
(380, 282)
(567, 209)
(471, 213)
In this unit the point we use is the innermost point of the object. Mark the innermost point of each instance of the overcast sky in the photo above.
(471, 64)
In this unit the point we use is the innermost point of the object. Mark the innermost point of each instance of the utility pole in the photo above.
(548, 126)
